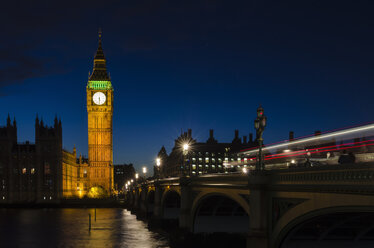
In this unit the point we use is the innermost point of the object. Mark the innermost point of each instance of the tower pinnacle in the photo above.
(99, 72)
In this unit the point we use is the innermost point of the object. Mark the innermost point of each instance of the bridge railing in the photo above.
(347, 177)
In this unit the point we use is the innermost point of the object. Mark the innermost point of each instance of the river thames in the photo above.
(69, 227)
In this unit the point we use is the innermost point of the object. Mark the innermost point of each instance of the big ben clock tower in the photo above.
(100, 124)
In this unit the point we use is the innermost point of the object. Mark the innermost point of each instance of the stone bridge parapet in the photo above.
(265, 205)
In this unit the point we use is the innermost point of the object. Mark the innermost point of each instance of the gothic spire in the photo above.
(8, 121)
(99, 71)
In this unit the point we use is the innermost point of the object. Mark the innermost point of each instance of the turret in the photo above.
(44, 132)
(236, 139)
(56, 122)
(250, 137)
(291, 136)
(37, 125)
(8, 124)
(211, 137)
(8, 133)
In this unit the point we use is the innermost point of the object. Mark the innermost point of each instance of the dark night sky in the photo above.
(188, 64)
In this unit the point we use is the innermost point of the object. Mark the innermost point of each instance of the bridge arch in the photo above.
(131, 198)
(218, 212)
(150, 200)
(336, 229)
(343, 208)
(171, 203)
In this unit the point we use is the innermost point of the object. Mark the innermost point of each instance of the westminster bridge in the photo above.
(328, 206)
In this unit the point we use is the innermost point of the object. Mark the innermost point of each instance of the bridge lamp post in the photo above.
(260, 124)
(158, 164)
(144, 172)
(136, 177)
(185, 152)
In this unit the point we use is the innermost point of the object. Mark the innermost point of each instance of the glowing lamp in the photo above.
(185, 147)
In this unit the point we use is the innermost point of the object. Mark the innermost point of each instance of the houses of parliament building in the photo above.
(43, 172)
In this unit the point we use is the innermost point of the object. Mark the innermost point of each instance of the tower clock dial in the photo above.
(99, 98)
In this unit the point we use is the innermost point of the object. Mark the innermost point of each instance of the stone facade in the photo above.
(40, 172)
(202, 157)
(100, 125)
(32, 172)
(44, 172)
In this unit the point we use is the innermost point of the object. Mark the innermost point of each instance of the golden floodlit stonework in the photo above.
(100, 125)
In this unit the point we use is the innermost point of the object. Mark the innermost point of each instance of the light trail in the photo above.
(313, 151)
(309, 135)
(329, 150)
(320, 148)
(322, 136)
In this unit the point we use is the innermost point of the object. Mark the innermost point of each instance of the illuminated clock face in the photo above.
(99, 98)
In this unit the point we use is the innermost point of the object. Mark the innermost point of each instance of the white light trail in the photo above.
(322, 136)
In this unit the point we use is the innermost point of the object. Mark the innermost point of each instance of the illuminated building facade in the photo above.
(100, 125)
(42, 172)
(202, 157)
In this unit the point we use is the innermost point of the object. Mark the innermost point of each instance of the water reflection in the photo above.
(69, 228)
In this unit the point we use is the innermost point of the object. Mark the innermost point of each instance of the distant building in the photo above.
(39, 172)
(122, 174)
(202, 157)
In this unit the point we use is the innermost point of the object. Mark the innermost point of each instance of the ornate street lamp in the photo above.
(260, 124)
(136, 178)
(185, 152)
(185, 148)
(145, 172)
(158, 165)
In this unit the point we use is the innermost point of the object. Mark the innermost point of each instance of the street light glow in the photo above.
(185, 147)
(158, 161)
(144, 170)
(136, 175)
